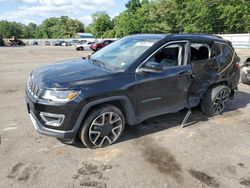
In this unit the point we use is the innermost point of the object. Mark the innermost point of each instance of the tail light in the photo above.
(237, 66)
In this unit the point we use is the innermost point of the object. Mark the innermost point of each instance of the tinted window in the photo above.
(227, 49)
(215, 50)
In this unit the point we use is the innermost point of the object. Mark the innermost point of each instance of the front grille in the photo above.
(33, 89)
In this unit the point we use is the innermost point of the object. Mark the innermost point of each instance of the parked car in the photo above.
(129, 81)
(34, 43)
(47, 43)
(84, 46)
(73, 43)
(14, 41)
(100, 45)
(66, 43)
(245, 72)
(58, 43)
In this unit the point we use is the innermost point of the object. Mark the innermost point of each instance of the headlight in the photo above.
(60, 96)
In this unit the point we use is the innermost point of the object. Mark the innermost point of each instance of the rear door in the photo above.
(204, 61)
(164, 92)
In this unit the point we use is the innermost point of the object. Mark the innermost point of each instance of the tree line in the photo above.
(62, 27)
(145, 16)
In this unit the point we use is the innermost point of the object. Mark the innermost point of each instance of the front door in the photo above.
(165, 91)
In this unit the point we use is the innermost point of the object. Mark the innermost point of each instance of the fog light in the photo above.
(52, 119)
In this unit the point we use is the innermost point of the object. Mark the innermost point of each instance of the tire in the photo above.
(214, 100)
(98, 48)
(99, 130)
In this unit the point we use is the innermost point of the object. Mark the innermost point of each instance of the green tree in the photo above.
(63, 27)
(9, 29)
(101, 24)
(133, 5)
(236, 16)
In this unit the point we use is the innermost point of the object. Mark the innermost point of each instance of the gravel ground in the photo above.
(210, 152)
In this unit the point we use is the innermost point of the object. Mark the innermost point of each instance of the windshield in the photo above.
(121, 54)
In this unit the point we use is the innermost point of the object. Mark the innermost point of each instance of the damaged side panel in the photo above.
(206, 73)
(217, 68)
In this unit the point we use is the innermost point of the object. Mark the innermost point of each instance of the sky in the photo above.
(26, 11)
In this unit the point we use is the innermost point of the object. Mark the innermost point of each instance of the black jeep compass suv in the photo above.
(129, 81)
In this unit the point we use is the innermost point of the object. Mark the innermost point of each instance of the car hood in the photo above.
(68, 74)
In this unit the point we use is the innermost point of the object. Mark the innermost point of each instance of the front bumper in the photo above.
(50, 132)
(70, 125)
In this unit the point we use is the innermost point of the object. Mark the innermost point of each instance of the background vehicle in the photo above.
(73, 43)
(245, 72)
(14, 41)
(84, 46)
(98, 46)
(47, 43)
(34, 43)
(129, 81)
(66, 43)
(58, 43)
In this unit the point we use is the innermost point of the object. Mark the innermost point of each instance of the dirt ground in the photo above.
(210, 152)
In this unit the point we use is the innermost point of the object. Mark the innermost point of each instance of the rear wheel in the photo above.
(103, 126)
(215, 100)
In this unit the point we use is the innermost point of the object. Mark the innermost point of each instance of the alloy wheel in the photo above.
(105, 129)
(220, 100)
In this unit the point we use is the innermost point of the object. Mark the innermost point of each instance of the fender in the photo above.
(130, 113)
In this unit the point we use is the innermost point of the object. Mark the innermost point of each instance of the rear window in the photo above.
(216, 50)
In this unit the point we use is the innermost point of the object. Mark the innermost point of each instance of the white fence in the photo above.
(238, 40)
(51, 41)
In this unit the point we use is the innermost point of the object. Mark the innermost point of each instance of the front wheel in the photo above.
(215, 99)
(102, 127)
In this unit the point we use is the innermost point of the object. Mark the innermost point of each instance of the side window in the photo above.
(227, 49)
(170, 56)
(216, 50)
(199, 52)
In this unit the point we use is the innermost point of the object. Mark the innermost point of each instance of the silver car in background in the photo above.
(245, 72)
(84, 46)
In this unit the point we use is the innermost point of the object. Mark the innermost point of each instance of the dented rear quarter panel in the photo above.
(221, 69)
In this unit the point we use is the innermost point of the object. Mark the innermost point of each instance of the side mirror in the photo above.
(152, 67)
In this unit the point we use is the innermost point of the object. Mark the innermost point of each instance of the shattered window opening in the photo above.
(200, 52)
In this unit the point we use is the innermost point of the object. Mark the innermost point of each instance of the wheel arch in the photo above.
(121, 102)
(214, 84)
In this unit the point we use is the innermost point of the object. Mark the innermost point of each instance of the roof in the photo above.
(196, 37)
(192, 37)
(85, 34)
(148, 36)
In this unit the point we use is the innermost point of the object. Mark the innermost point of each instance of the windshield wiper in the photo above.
(98, 62)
